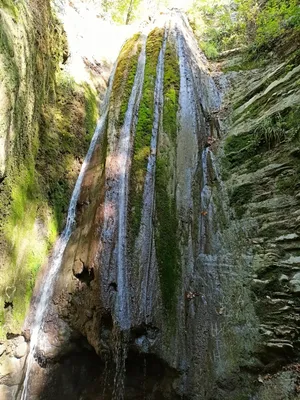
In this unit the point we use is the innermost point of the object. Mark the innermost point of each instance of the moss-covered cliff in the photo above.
(46, 122)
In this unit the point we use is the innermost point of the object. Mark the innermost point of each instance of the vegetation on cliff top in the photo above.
(127, 11)
(223, 25)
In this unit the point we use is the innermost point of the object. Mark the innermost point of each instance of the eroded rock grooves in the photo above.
(149, 291)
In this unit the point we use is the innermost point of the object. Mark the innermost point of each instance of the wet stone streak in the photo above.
(166, 224)
(142, 139)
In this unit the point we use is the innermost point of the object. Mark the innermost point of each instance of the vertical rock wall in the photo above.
(151, 275)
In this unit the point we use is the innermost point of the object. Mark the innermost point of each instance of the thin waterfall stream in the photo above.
(122, 304)
(148, 195)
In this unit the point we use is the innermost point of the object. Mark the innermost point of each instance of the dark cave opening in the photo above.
(83, 375)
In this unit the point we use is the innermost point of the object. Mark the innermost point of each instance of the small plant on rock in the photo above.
(270, 131)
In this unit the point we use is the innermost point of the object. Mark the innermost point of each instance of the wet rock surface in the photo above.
(186, 336)
(229, 327)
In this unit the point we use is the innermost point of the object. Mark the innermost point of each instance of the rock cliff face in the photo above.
(261, 171)
(180, 278)
(46, 122)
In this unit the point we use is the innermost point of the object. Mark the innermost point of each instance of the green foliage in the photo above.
(222, 25)
(270, 131)
(122, 11)
(275, 19)
(280, 127)
(142, 139)
(215, 26)
(128, 11)
(209, 49)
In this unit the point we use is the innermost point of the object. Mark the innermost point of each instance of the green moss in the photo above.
(166, 236)
(24, 191)
(125, 74)
(237, 143)
(245, 65)
(291, 123)
(253, 109)
(239, 196)
(52, 119)
(132, 67)
(11, 7)
(287, 184)
(91, 111)
(166, 230)
(141, 147)
(238, 149)
(28, 249)
(104, 144)
(171, 91)
(66, 129)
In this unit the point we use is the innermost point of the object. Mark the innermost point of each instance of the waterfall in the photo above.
(46, 290)
(151, 289)
(146, 231)
(122, 303)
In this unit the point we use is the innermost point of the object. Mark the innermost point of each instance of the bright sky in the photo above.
(181, 3)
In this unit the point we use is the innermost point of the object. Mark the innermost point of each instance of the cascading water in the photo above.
(158, 286)
(146, 232)
(117, 198)
(122, 303)
(46, 292)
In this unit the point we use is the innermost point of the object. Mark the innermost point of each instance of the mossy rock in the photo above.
(124, 77)
(142, 139)
(238, 149)
(166, 226)
(52, 121)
